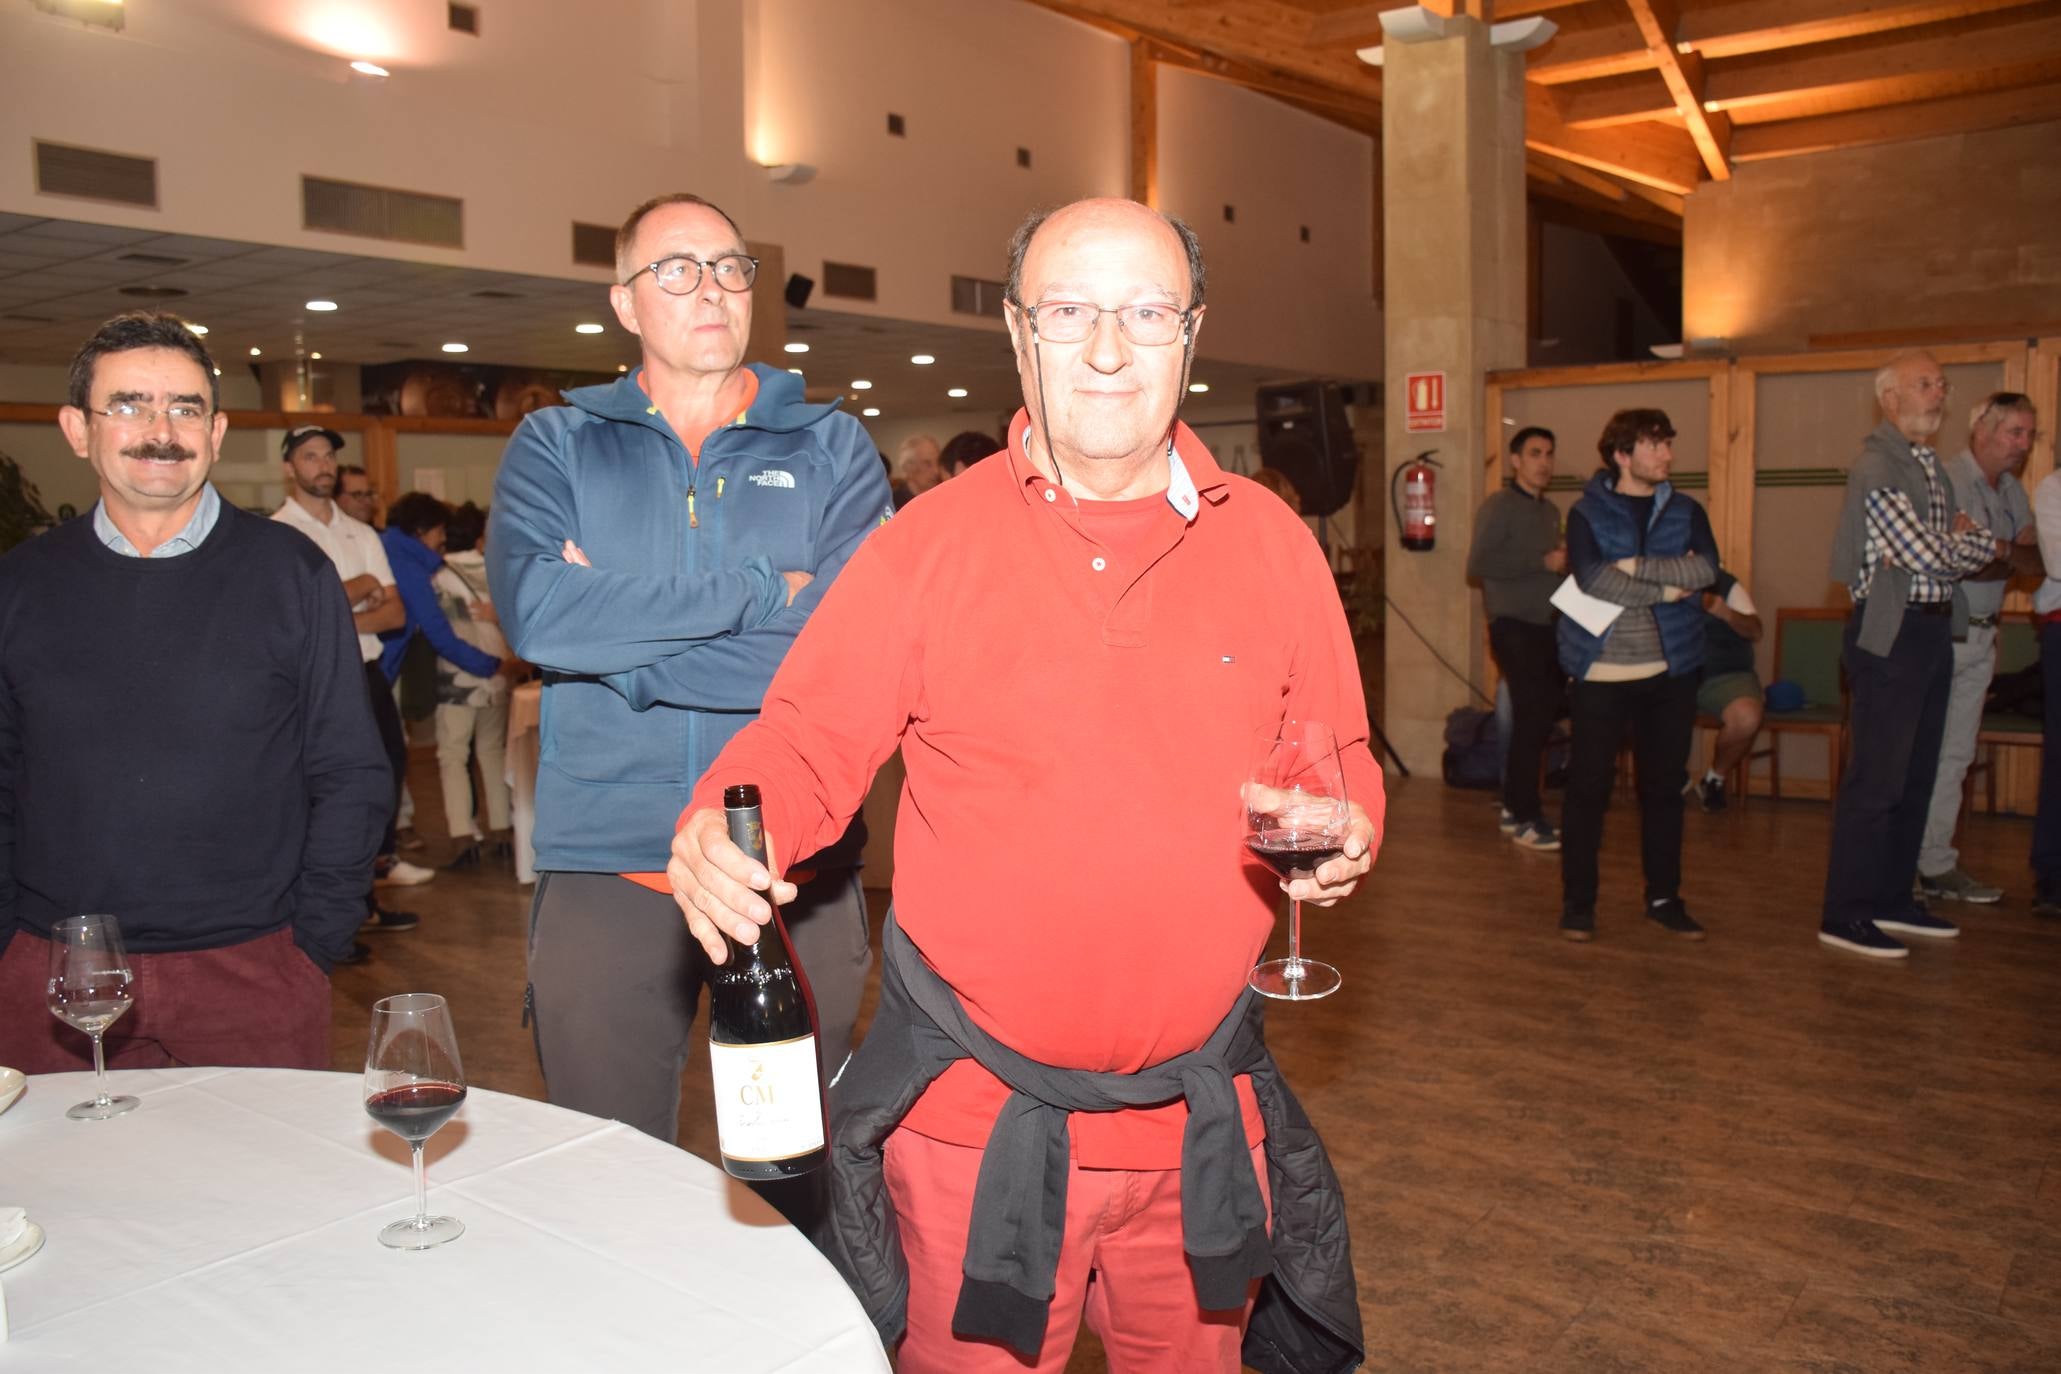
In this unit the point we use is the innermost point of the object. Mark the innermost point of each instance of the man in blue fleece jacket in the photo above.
(655, 546)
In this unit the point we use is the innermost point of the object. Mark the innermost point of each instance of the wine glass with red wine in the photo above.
(413, 1085)
(1296, 818)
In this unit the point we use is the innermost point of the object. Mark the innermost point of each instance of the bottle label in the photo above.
(768, 1103)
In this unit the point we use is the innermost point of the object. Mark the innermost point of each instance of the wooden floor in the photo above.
(1637, 1155)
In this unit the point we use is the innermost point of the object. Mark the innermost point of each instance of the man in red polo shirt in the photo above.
(1106, 619)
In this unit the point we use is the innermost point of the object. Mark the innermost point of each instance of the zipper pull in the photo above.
(719, 488)
(693, 521)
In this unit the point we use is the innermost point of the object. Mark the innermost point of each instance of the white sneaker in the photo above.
(404, 874)
(1506, 822)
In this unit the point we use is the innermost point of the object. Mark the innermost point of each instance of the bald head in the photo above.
(1101, 216)
(1912, 391)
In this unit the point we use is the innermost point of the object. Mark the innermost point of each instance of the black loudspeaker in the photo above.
(798, 289)
(1305, 436)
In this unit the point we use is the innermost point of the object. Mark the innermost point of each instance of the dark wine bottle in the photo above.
(770, 1110)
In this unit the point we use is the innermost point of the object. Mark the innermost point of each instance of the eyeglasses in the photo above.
(1149, 326)
(680, 275)
(1931, 386)
(183, 415)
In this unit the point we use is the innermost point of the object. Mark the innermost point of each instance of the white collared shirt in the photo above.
(190, 536)
(352, 545)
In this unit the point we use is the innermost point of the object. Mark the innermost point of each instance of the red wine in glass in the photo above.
(413, 1085)
(1296, 818)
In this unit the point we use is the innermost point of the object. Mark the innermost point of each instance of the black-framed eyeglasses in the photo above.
(182, 414)
(1150, 325)
(681, 274)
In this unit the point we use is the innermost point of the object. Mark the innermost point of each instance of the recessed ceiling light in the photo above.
(797, 348)
(921, 359)
(862, 384)
(257, 352)
(321, 305)
(315, 357)
(454, 348)
(586, 329)
(957, 393)
(199, 329)
(622, 367)
(369, 69)
(870, 412)
(795, 370)
(218, 372)
(1198, 387)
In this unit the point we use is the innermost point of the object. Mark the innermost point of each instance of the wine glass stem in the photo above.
(1294, 936)
(421, 1187)
(100, 1097)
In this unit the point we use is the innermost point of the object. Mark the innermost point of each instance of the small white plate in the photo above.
(29, 1242)
(12, 1081)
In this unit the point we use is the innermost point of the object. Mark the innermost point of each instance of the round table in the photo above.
(230, 1223)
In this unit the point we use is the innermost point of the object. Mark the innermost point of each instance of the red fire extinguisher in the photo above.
(1416, 513)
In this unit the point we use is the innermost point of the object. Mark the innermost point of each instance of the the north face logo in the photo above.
(773, 477)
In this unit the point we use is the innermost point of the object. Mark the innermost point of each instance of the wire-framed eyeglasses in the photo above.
(182, 414)
(681, 273)
(1151, 325)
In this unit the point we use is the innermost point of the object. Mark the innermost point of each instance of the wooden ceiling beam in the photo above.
(1581, 176)
(1927, 119)
(1683, 75)
(1891, 68)
(1734, 30)
(1358, 27)
(1627, 99)
(1649, 154)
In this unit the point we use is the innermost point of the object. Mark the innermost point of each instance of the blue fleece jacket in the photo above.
(415, 567)
(662, 650)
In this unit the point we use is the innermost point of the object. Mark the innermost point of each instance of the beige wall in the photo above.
(1960, 232)
(563, 112)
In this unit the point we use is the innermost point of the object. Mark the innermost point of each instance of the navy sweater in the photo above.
(186, 743)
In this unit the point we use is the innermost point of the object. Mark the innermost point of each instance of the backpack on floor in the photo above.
(1474, 753)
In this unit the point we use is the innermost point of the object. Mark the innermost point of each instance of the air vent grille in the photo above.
(849, 281)
(593, 245)
(90, 174)
(377, 212)
(974, 296)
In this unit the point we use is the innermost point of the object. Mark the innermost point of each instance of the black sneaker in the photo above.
(360, 952)
(1916, 920)
(1711, 792)
(2046, 897)
(1670, 915)
(467, 857)
(382, 919)
(1861, 938)
(1578, 925)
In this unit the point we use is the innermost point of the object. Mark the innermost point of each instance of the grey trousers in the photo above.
(1975, 663)
(616, 981)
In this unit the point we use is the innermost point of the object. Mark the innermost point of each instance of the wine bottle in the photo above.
(762, 1038)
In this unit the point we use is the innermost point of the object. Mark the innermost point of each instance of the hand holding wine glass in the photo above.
(1296, 819)
(89, 989)
(413, 1085)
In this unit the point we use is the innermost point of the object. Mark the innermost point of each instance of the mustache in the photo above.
(168, 450)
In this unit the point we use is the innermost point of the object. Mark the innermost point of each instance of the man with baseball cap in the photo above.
(308, 462)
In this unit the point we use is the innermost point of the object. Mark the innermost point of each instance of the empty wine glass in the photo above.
(413, 1085)
(89, 989)
(1296, 818)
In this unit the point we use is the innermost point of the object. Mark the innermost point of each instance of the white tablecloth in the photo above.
(230, 1223)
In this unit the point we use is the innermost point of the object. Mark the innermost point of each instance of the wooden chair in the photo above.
(2018, 647)
(1808, 644)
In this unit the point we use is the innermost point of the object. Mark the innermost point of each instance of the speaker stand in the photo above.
(1387, 746)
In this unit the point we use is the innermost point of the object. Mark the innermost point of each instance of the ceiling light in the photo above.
(622, 367)
(454, 348)
(321, 305)
(957, 393)
(790, 173)
(921, 359)
(862, 385)
(257, 352)
(586, 329)
(870, 412)
(199, 329)
(371, 69)
(796, 347)
(1685, 46)
(1198, 387)
(218, 372)
(315, 357)
(795, 370)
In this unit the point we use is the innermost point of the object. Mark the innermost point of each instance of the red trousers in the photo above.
(1120, 1266)
(261, 1003)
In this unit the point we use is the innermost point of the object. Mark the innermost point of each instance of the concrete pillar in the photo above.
(1454, 261)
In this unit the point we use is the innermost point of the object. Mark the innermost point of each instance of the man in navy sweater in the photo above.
(185, 741)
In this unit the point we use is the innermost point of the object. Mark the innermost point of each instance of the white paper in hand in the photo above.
(1591, 613)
